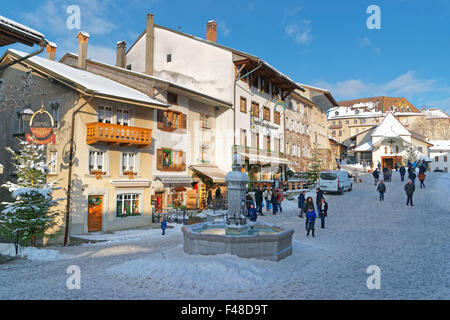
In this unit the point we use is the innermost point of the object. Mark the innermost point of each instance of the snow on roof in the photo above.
(52, 44)
(89, 81)
(390, 126)
(440, 144)
(435, 113)
(368, 110)
(365, 147)
(20, 27)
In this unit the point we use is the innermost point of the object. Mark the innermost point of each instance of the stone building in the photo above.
(110, 126)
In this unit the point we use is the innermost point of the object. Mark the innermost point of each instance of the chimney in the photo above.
(121, 58)
(211, 31)
(51, 50)
(149, 44)
(83, 38)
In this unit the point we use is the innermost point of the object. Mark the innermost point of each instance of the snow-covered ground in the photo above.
(410, 245)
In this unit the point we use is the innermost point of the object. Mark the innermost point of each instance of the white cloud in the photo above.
(301, 33)
(223, 28)
(52, 15)
(364, 42)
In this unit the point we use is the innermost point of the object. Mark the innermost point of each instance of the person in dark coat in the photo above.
(311, 215)
(402, 173)
(422, 168)
(409, 189)
(381, 189)
(259, 199)
(301, 202)
(309, 203)
(252, 213)
(274, 201)
(209, 198)
(163, 225)
(376, 176)
(323, 209)
(412, 177)
(319, 196)
(421, 177)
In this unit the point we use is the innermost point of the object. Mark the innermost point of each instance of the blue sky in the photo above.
(322, 43)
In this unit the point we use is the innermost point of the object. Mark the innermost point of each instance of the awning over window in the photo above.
(215, 173)
(255, 158)
(172, 181)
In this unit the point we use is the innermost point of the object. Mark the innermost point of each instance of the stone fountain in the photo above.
(235, 235)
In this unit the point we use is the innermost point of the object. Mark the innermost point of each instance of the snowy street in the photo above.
(410, 245)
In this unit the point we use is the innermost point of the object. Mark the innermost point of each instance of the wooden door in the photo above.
(95, 211)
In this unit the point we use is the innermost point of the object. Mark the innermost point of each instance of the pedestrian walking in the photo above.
(163, 225)
(268, 198)
(389, 174)
(381, 189)
(308, 204)
(319, 196)
(409, 189)
(323, 209)
(311, 215)
(280, 199)
(376, 176)
(259, 199)
(274, 201)
(402, 173)
(421, 177)
(301, 203)
(412, 177)
(252, 213)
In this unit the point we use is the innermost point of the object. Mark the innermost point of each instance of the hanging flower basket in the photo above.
(98, 173)
(130, 174)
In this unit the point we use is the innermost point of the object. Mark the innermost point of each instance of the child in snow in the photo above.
(311, 215)
(252, 212)
(301, 202)
(163, 225)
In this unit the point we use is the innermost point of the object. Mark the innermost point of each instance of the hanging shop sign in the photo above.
(41, 127)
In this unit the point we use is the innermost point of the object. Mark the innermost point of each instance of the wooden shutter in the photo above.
(159, 159)
(184, 121)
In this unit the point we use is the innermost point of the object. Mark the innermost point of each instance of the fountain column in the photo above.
(236, 189)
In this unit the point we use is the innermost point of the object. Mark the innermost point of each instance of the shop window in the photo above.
(127, 205)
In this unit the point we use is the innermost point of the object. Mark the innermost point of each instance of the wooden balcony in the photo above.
(114, 134)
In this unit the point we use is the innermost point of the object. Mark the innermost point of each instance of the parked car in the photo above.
(335, 181)
(438, 170)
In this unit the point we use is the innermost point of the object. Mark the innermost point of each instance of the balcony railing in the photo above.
(98, 132)
(335, 126)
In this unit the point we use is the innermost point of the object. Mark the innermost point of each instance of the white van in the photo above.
(335, 181)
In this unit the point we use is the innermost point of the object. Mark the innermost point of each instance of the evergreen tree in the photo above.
(315, 165)
(29, 215)
(411, 154)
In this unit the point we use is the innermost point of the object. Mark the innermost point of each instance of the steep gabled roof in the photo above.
(12, 32)
(390, 126)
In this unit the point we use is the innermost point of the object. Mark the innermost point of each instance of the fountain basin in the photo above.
(261, 241)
